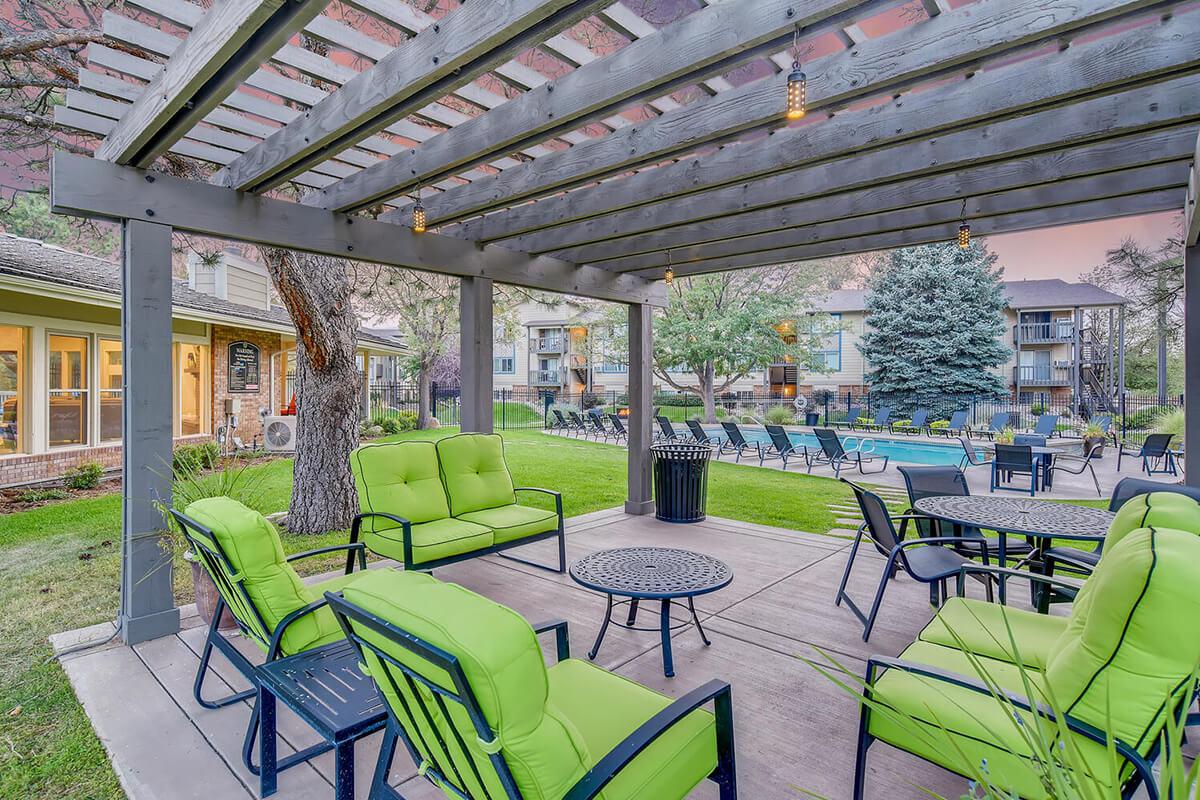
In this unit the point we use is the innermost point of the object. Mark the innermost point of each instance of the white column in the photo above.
(475, 332)
(641, 349)
(147, 600)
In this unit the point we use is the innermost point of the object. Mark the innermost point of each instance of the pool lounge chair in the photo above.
(578, 424)
(699, 435)
(782, 447)
(561, 422)
(1155, 453)
(598, 426)
(997, 424)
(915, 426)
(666, 431)
(956, 427)
(736, 443)
(618, 428)
(851, 419)
(880, 423)
(836, 456)
(1047, 426)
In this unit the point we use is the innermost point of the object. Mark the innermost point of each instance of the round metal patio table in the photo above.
(666, 574)
(1042, 521)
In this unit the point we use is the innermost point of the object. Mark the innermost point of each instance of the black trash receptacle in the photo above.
(680, 481)
(812, 418)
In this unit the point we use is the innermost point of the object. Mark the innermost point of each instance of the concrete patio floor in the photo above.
(795, 731)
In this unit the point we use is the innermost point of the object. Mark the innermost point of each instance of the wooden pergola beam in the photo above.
(873, 66)
(465, 44)
(1108, 208)
(92, 188)
(228, 44)
(921, 213)
(705, 42)
(758, 173)
(1191, 209)
(986, 168)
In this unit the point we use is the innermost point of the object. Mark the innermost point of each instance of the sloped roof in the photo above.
(1042, 293)
(36, 260)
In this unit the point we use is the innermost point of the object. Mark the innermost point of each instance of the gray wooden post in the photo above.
(1191, 343)
(641, 349)
(475, 331)
(147, 600)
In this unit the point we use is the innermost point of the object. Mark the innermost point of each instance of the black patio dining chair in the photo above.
(970, 457)
(1047, 425)
(915, 426)
(835, 455)
(619, 433)
(996, 425)
(666, 431)
(734, 442)
(880, 423)
(956, 427)
(1155, 453)
(1011, 460)
(851, 419)
(927, 560)
(782, 447)
(1070, 464)
(942, 481)
(699, 435)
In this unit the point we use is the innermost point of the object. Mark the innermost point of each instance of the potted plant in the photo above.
(1093, 439)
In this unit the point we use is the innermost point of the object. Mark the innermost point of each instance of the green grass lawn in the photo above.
(60, 568)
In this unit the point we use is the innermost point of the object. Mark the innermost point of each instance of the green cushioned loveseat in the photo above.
(1124, 659)
(428, 504)
(470, 696)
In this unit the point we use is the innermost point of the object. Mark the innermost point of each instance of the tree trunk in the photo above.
(316, 292)
(1162, 356)
(423, 389)
(705, 385)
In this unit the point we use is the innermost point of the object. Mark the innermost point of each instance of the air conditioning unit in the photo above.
(1062, 364)
(279, 434)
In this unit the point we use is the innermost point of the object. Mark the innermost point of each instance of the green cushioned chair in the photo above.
(469, 694)
(428, 504)
(241, 551)
(1124, 660)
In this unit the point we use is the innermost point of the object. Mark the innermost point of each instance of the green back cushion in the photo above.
(1133, 639)
(253, 548)
(474, 472)
(1155, 510)
(503, 665)
(399, 478)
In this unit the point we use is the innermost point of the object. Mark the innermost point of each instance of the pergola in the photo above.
(671, 147)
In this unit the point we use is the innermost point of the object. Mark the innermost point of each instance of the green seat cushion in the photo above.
(1154, 510)
(474, 472)
(254, 550)
(603, 709)
(514, 521)
(503, 664)
(400, 478)
(439, 538)
(981, 629)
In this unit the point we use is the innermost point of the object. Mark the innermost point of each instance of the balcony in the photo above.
(548, 344)
(1042, 376)
(1055, 331)
(545, 377)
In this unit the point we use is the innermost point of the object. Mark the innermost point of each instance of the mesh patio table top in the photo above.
(1020, 515)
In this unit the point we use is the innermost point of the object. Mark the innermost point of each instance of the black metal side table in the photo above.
(328, 691)
(651, 573)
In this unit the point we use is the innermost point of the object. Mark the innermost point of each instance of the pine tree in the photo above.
(935, 327)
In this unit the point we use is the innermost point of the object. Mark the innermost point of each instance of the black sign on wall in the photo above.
(243, 367)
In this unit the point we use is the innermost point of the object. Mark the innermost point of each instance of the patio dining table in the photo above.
(1040, 521)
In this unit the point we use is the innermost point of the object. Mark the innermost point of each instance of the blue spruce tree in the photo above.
(935, 327)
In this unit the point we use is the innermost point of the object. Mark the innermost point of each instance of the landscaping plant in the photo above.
(84, 476)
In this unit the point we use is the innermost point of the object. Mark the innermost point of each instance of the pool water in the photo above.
(897, 450)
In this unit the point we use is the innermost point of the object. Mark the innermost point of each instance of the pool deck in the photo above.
(794, 729)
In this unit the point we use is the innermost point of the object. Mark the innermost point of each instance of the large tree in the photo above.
(935, 327)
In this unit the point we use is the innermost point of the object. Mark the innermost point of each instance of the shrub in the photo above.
(720, 412)
(1171, 422)
(390, 425)
(677, 399)
(407, 420)
(84, 476)
(1037, 410)
(41, 495)
(749, 419)
(1145, 419)
(204, 455)
(939, 424)
(779, 415)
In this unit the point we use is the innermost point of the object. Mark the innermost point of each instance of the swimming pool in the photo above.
(897, 450)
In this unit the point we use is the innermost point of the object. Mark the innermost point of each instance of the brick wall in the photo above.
(18, 470)
(249, 422)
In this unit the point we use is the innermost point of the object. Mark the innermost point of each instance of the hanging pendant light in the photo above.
(797, 83)
(964, 230)
(669, 274)
(418, 214)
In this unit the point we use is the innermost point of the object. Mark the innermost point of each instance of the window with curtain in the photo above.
(67, 388)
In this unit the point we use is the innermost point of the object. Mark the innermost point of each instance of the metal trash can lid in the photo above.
(681, 451)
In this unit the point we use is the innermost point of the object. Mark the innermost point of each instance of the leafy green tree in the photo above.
(936, 320)
(28, 214)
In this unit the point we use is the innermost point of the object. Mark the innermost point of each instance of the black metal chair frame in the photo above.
(734, 442)
(1151, 457)
(666, 431)
(1003, 470)
(836, 456)
(880, 423)
(598, 426)
(578, 425)
(497, 549)
(449, 779)
(619, 432)
(962, 429)
(565, 424)
(897, 558)
(970, 457)
(852, 415)
(782, 447)
(1143, 772)
(1077, 465)
(916, 426)
(699, 435)
(996, 424)
(231, 586)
